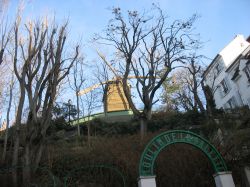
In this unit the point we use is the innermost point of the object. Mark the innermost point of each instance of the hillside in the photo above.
(111, 157)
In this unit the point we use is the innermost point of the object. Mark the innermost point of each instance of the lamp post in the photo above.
(69, 104)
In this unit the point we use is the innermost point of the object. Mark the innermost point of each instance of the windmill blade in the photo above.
(114, 70)
(135, 77)
(107, 63)
(89, 89)
(140, 77)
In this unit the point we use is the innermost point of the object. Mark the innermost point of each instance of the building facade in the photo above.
(228, 75)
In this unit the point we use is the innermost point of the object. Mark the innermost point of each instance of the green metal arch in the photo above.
(158, 143)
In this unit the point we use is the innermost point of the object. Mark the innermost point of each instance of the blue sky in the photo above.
(220, 20)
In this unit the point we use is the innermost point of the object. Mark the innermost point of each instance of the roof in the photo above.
(234, 62)
(245, 53)
(238, 39)
(227, 49)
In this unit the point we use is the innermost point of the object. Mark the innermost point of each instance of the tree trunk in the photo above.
(78, 114)
(88, 126)
(8, 121)
(39, 155)
(145, 116)
(5, 141)
(15, 157)
(32, 158)
(27, 163)
(210, 104)
(199, 103)
(143, 127)
(17, 135)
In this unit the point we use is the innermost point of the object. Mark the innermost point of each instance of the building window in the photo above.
(247, 72)
(224, 87)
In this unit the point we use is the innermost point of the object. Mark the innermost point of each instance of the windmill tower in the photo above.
(114, 98)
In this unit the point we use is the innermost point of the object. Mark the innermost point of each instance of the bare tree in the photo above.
(3, 6)
(77, 85)
(209, 93)
(91, 103)
(44, 65)
(21, 80)
(195, 71)
(4, 30)
(11, 87)
(3, 82)
(189, 80)
(178, 91)
(104, 78)
(170, 88)
(150, 48)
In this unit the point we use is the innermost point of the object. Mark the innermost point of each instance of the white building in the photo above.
(228, 75)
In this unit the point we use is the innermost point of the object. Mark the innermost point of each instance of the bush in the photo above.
(99, 127)
(161, 120)
(190, 168)
(59, 124)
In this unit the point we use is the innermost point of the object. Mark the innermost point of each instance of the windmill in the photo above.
(114, 98)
